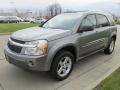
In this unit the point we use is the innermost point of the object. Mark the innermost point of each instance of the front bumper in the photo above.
(34, 63)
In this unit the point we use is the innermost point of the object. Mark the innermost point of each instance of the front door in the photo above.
(87, 40)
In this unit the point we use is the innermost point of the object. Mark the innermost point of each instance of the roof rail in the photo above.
(76, 11)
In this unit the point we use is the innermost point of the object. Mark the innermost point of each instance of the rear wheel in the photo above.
(110, 47)
(62, 65)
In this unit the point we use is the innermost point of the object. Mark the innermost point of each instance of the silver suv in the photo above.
(61, 41)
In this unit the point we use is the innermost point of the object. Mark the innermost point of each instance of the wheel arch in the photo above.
(70, 48)
(114, 36)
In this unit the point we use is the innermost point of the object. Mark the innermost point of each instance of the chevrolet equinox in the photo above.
(58, 43)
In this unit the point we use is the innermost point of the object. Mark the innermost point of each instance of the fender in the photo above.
(57, 47)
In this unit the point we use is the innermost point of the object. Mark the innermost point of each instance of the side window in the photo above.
(102, 21)
(89, 21)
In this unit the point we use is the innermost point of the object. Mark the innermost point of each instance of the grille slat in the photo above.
(14, 48)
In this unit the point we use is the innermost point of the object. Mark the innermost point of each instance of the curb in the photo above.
(6, 33)
(92, 82)
(97, 82)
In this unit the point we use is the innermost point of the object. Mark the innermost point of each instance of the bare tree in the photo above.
(115, 17)
(119, 9)
(36, 14)
(16, 12)
(54, 10)
(40, 13)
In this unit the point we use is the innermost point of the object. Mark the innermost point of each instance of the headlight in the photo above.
(40, 47)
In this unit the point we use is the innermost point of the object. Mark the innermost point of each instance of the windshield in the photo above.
(65, 22)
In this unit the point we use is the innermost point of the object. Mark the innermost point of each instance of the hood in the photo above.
(36, 33)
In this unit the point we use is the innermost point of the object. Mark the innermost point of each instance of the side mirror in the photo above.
(86, 28)
(42, 23)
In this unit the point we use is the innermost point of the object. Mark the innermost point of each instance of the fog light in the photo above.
(31, 63)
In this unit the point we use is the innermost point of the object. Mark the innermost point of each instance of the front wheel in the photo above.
(110, 47)
(62, 65)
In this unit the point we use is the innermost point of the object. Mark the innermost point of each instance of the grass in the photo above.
(4, 28)
(110, 83)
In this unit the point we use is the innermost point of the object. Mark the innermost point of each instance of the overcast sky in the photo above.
(70, 4)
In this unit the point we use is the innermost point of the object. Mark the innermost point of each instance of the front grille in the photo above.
(14, 48)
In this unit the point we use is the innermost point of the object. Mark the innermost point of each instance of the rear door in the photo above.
(103, 30)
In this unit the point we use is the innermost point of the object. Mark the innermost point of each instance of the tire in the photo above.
(111, 46)
(59, 69)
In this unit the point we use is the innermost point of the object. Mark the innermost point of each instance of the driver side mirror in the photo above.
(86, 28)
(41, 24)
